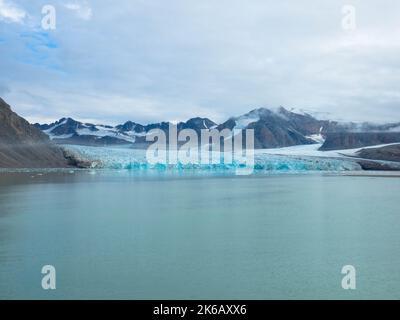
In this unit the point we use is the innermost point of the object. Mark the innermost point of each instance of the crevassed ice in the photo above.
(134, 159)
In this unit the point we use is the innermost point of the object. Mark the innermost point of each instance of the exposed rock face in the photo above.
(70, 131)
(277, 128)
(130, 126)
(387, 153)
(352, 140)
(90, 140)
(273, 128)
(370, 165)
(306, 124)
(24, 146)
(76, 160)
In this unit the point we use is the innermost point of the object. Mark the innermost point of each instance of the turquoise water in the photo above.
(126, 235)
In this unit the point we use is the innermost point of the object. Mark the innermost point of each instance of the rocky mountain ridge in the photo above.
(24, 146)
(273, 128)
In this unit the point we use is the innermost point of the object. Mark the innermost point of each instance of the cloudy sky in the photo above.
(151, 60)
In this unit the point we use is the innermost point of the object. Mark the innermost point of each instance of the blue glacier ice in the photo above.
(135, 159)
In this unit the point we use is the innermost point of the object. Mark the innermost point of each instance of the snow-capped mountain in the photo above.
(273, 128)
(70, 131)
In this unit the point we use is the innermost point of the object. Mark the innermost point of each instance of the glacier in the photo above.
(135, 159)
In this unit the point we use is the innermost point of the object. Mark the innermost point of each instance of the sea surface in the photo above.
(118, 234)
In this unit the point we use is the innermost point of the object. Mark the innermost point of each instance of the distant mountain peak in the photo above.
(273, 127)
(200, 123)
(269, 111)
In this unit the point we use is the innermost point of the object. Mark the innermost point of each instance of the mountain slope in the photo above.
(278, 128)
(70, 131)
(351, 140)
(24, 146)
(386, 153)
(273, 128)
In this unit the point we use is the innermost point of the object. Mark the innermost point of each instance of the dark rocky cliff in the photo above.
(387, 153)
(24, 146)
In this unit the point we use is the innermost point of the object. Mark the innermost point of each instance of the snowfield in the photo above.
(312, 151)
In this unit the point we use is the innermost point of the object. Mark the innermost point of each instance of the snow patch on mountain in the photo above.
(102, 131)
(49, 131)
(244, 121)
(60, 136)
(318, 138)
